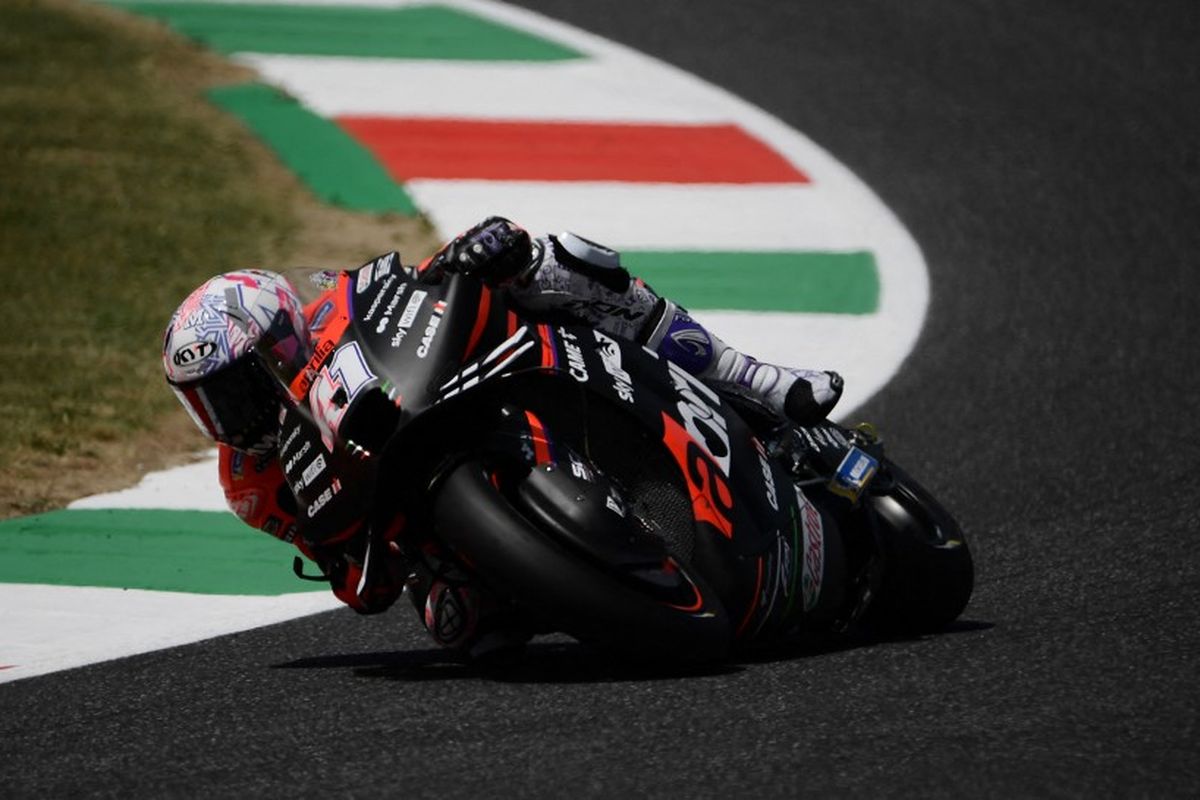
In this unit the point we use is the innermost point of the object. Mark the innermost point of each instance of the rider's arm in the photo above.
(560, 278)
(257, 492)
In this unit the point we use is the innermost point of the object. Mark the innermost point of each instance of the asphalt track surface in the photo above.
(1045, 158)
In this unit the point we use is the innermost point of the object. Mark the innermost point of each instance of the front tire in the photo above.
(581, 597)
(928, 572)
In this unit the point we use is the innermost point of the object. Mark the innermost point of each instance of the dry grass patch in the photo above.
(123, 189)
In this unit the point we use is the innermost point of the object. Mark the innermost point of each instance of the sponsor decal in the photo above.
(768, 476)
(386, 319)
(712, 502)
(581, 307)
(786, 564)
(324, 497)
(378, 301)
(692, 341)
(610, 356)
(450, 614)
(408, 316)
(383, 265)
(697, 408)
(579, 469)
(812, 554)
(287, 441)
(853, 474)
(237, 465)
(614, 504)
(575, 364)
(244, 504)
(365, 276)
(320, 317)
(274, 526)
(431, 328)
(193, 353)
(324, 348)
(291, 462)
(313, 470)
(324, 280)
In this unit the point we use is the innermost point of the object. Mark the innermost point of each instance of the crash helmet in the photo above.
(223, 349)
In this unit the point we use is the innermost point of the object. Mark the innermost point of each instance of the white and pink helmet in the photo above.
(214, 352)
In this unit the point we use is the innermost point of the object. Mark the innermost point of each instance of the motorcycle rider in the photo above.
(211, 363)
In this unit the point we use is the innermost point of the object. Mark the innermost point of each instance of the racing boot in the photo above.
(804, 396)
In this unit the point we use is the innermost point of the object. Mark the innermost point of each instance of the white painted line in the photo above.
(858, 347)
(578, 91)
(657, 216)
(48, 628)
(194, 487)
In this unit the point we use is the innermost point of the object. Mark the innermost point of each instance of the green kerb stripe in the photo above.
(176, 551)
(432, 31)
(812, 282)
(337, 168)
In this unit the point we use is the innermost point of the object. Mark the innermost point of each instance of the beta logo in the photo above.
(193, 353)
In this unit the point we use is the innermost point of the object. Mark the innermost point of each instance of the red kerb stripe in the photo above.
(569, 151)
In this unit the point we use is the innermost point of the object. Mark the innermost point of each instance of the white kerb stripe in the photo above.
(582, 91)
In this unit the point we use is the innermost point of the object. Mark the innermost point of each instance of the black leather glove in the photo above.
(495, 251)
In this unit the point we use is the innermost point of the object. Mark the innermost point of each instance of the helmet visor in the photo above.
(283, 349)
(237, 406)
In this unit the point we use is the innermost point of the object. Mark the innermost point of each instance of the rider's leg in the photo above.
(585, 280)
(801, 395)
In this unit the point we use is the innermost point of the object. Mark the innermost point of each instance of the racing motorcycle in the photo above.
(599, 487)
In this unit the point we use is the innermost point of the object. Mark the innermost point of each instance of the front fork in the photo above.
(818, 458)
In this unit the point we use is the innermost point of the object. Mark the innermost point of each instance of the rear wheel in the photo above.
(591, 598)
(928, 570)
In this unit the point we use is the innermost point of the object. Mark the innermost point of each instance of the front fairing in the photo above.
(418, 370)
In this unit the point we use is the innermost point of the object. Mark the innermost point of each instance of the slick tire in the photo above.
(929, 573)
(512, 556)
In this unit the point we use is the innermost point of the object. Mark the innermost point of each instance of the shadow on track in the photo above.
(538, 662)
(571, 662)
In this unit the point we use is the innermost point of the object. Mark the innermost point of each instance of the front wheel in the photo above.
(928, 572)
(548, 574)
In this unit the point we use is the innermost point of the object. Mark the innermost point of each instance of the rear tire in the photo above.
(512, 555)
(928, 570)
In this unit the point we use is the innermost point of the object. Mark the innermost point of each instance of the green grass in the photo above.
(120, 190)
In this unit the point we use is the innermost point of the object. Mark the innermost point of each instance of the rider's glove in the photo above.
(366, 573)
(495, 251)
